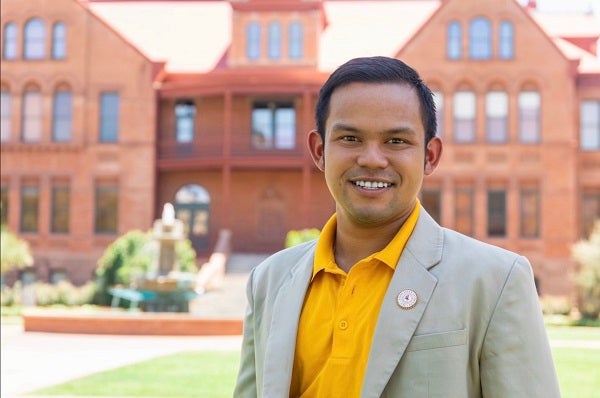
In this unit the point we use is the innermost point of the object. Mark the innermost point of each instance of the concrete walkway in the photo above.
(31, 360)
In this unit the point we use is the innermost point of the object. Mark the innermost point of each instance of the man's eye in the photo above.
(397, 141)
(349, 138)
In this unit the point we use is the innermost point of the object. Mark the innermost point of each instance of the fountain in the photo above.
(164, 288)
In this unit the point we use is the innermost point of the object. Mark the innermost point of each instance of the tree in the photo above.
(14, 252)
(587, 254)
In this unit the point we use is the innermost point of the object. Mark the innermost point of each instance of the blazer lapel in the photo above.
(280, 349)
(396, 325)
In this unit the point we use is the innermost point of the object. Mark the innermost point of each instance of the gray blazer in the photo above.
(476, 330)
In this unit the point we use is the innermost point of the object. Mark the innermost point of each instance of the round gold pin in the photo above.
(407, 299)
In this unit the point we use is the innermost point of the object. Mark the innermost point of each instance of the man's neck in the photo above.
(355, 242)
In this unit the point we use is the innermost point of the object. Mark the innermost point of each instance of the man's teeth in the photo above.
(372, 184)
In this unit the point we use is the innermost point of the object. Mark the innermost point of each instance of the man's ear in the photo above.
(433, 154)
(316, 148)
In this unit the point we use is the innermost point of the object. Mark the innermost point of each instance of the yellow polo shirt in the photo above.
(339, 316)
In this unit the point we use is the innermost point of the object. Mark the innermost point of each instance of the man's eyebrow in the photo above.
(339, 126)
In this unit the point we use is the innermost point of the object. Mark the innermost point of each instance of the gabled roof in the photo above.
(193, 36)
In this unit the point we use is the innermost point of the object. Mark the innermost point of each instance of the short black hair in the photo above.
(377, 70)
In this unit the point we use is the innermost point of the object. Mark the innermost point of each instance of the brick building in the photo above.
(214, 100)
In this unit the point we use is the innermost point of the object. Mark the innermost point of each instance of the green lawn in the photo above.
(212, 374)
(187, 374)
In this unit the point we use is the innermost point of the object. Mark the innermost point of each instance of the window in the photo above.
(9, 50)
(4, 205)
(30, 197)
(529, 117)
(5, 115)
(590, 212)
(59, 222)
(530, 212)
(464, 116)
(496, 213)
(454, 44)
(185, 114)
(35, 39)
(432, 202)
(273, 125)
(32, 116)
(590, 125)
(438, 99)
(106, 209)
(506, 48)
(109, 117)
(59, 41)
(296, 38)
(480, 38)
(253, 41)
(464, 210)
(496, 109)
(62, 116)
(274, 40)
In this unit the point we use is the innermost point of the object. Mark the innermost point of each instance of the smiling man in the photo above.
(386, 303)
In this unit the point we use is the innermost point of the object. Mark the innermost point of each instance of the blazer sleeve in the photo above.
(246, 386)
(516, 360)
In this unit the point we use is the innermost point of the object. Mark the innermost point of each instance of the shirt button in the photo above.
(343, 325)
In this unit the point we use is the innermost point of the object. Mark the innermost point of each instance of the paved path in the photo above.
(31, 360)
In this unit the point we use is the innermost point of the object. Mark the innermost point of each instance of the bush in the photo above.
(556, 305)
(295, 237)
(14, 252)
(587, 254)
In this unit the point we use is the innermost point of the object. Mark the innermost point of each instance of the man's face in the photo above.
(374, 155)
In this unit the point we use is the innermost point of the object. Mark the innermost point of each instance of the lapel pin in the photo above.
(407, 299)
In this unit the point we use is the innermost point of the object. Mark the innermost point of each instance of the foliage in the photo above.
(587, 254)
(63, 293)
(556, 305)
(14, 252)
(130, 258)
(295, 237)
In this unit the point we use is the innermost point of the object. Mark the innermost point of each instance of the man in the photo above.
(386, 303)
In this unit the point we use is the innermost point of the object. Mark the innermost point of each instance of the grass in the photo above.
(212, 374)
(188, 374)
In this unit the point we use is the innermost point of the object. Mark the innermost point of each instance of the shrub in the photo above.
(295, 237)
(587, 254)
(556, 305)
(14, 252)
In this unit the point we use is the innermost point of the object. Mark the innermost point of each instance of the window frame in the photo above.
(454, 40)
(32, 115)
(500, 121)
(109, 119)
(275, 129)
(106, 215)
(253, 33)
(30, 212)
(188, 108)
(480, 39)
(506, 40)
(62, 116)
(59, 40)
(34, 40)
(496, 225)
(589, 125)
(60, 208)
(10, 45)
(296, 40)
(529, 212)
(5, 115)
(458, 121)
(274, 40)
(526, 137)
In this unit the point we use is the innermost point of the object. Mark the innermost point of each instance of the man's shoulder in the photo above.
(287, 260)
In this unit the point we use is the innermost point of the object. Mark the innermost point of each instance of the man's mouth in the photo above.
(372, 184)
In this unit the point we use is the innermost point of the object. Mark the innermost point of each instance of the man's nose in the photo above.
(372, 156)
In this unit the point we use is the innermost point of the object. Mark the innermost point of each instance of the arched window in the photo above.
(529, 116)
(507, 46)
(274, 40)
(59, 41)
(465, 109)
(253, 41)
(35, 39)
(296, 38)
(454, 40)
(185, 114)
(9, 49)
(6, 114)
(496, 112)
(62, 115)
(480, 38)
(32, 115)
